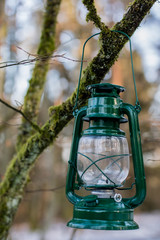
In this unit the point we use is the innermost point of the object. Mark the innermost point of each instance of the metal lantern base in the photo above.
(102, 225)
(116, 216)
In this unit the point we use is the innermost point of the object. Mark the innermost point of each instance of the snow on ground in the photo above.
(149, 230)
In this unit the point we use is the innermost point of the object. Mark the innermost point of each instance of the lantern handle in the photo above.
(138, 165)
(80, 73)
(137, 104)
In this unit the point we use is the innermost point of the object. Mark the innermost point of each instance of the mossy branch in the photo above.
(12, 187)
(135, 14)
(92, 14)
(36, 83)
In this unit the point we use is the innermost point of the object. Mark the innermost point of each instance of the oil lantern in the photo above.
(100, 161)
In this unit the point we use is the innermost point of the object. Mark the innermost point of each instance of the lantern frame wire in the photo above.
(136, 148)
(93, 212)
(94, 163)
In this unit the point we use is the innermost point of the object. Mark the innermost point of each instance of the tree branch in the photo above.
(92, 14)
(45, 190)
(46, 48)
(135, 14)
(34, 125)
(35, 59)
(12, 187)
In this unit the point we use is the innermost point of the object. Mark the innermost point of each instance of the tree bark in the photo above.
(37, 82)
(16, 177)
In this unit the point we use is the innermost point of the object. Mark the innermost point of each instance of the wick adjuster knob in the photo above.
(117, 197)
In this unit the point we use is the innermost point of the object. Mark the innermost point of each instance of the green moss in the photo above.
(135, 14)
(92, 14)
(37, 82)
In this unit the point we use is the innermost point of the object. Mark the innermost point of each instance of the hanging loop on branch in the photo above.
(137, 104)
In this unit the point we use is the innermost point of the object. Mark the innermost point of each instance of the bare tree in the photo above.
(32, 139)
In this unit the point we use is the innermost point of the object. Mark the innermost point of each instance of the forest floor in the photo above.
(149, 224)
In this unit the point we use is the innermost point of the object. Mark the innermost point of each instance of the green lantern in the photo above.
(99, 162)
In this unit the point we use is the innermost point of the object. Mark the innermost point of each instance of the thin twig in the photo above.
(153, 160)
(35, 59)
(9, 124)
(30, 54)
(45, 190)
(73, 234)
(34, 125)
(19, 104)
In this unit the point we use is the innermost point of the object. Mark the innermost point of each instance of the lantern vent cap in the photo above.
(105, 89)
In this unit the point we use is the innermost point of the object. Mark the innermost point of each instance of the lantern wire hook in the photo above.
(137, 104)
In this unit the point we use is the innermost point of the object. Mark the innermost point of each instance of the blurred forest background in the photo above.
(20, 29)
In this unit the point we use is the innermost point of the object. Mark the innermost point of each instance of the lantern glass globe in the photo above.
(103, 160)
